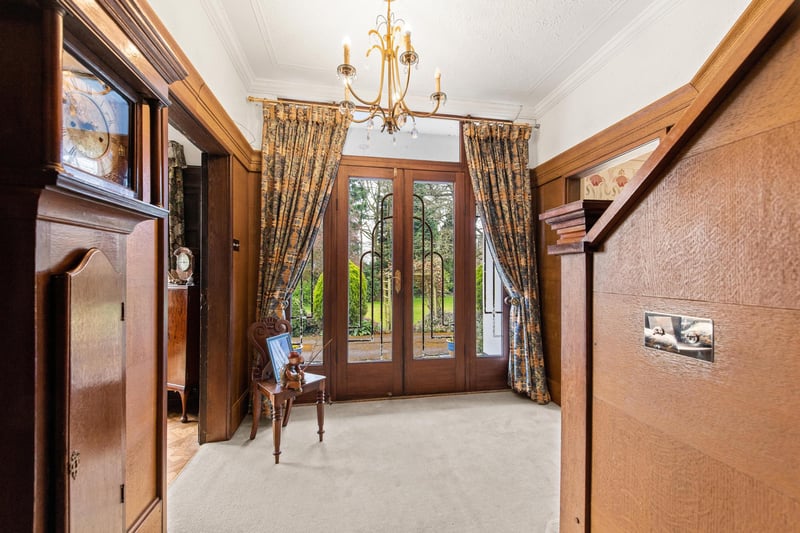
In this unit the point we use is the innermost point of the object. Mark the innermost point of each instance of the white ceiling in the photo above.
(504, 59)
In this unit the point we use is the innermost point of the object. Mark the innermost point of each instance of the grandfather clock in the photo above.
(84, 96)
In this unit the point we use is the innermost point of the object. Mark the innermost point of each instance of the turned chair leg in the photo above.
(320, 411)
(276, 430)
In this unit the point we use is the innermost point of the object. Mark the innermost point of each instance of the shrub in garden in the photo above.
(355, 288)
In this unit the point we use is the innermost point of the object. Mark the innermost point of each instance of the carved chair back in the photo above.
(257, 334)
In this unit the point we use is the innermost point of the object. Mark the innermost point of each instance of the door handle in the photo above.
(398, 283)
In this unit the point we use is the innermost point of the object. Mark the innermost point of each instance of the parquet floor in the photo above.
(181, 440)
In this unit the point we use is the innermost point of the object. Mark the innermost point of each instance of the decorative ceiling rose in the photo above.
(396, 113)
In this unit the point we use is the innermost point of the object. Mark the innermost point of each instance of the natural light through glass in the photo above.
(488, 299)
(370, 269)
(433, 270)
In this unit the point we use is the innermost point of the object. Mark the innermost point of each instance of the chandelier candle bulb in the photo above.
(346, 46)
(438, 77)
(385, 37)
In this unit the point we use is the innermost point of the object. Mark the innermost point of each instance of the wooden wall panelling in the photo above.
(549, 195)
(729, 206)
(144, 374)
(668, 485)
(251, 245)
(576, 372)
(707, 446)
(748, 112)
(216, 364)
(38, 34)
(197, 113)
(23, 378)
(242, 304)
(732, 410)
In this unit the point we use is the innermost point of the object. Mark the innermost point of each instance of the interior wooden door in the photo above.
(396, 274)
(91, 411)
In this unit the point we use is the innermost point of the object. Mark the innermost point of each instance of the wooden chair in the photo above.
(263, 383)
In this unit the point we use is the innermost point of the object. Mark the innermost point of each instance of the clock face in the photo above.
(183, 263)
(96, 125)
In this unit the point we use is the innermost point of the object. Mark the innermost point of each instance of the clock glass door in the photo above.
(96, 127)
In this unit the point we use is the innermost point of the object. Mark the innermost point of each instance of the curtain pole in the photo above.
(444, 116)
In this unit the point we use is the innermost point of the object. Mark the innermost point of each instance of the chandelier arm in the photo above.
(353, 120)
(428, 114)
(408, 110)
(376, 101)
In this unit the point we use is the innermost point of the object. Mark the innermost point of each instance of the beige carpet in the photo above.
(462, 463)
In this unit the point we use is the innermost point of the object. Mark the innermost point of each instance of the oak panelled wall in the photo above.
(710, 227)
(554, 187)
(144, 379)
(707, 446)
(246, 207)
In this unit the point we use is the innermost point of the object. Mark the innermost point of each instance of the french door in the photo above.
(398, 301)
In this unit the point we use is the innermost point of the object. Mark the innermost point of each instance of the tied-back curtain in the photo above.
(302, 147)
(176, 162)
(497, 156)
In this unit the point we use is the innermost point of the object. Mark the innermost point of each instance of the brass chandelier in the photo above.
(396, 113)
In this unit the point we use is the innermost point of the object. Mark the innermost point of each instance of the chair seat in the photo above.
(282, 400)
(269, 387)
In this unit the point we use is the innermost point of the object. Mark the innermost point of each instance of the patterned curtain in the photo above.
(497, 156)
(176, 163)
(302, 147)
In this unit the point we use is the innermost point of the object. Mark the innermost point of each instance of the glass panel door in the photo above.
(400, 308)
(433, 274)
(434, 359)
(363, 318)
(370, 277)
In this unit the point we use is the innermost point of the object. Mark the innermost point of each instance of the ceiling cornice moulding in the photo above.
(222, 26)
(595, 63)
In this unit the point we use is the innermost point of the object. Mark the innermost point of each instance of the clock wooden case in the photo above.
(84, 95)
(184, 264)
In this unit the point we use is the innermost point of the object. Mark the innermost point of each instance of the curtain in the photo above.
(497, 157)
(302, 147)
(176, 162)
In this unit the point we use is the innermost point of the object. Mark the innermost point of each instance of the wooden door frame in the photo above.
(216, 285)
(336, 235)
